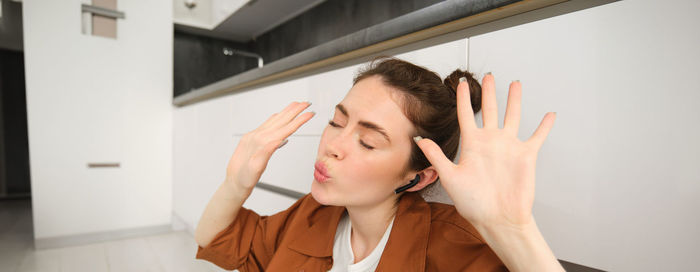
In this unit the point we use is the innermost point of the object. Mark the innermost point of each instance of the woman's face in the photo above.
(364, 148)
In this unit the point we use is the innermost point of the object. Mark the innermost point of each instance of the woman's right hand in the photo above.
(256, 147)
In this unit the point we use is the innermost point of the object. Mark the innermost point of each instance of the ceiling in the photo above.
(236, 20)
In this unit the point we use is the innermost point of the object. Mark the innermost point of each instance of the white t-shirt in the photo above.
(343, 258)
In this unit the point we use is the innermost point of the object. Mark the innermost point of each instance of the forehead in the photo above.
(373, 101)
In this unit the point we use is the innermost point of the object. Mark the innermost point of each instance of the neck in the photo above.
(369, 225)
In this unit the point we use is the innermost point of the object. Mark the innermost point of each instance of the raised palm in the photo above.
(493, 184)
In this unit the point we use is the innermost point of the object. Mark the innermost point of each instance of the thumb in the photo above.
(434, 154)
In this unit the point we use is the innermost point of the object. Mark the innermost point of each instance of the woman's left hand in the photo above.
(493, 185)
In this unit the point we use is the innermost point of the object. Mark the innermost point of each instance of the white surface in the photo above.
(207, 14)
(200, 16)
(222, 9)
(206, 133)
(92, 99)
(617, 180)
(168, 252)
(267, 203)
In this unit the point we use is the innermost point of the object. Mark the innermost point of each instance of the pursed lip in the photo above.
(321, 168)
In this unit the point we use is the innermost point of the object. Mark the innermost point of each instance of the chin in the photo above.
(320, 194)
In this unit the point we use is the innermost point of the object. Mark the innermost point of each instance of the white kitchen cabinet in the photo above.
(617, 180)
(97, 100)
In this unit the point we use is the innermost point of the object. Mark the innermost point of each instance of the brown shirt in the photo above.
(425, 237)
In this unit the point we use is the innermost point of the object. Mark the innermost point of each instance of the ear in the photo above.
(427, 177)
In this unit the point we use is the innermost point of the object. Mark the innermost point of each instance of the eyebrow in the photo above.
(365, 124)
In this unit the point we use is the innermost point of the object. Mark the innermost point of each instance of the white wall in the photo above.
(94, 99)
(207, 133)
(618, 185)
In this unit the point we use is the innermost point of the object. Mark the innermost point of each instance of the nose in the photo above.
(337, 144)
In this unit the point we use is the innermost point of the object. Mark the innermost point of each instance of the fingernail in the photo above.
(488, 73)
(309, 102)
(462, 79)
(313, 112)
(283, 143)
(517, 80)
(417, 138)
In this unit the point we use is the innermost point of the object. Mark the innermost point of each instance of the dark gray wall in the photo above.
(199, 61)
(14, 123)
(11, 26)
(328, 21)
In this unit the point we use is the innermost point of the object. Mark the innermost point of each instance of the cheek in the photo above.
(371, 171)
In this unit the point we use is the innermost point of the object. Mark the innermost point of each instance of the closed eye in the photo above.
(333, 124)
(364, 145)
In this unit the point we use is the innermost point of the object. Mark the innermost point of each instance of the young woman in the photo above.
(396, 131)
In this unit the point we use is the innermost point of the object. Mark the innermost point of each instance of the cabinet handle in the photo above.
(102, 164)
(279, 190)
(102, 11)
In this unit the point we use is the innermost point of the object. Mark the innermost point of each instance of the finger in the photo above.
(542, 130)
(294, 125)
(465, 112)
(269, 120)
(276, 116)
(488, 102)
(434, 155)
(511, 121)
(286, 116)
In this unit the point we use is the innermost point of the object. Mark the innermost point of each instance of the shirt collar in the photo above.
(317, 240)
(408, 241)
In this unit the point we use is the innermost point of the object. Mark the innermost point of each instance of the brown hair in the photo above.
(428, 102)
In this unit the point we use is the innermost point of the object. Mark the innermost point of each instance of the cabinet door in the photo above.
(92, 99)
(621, 159)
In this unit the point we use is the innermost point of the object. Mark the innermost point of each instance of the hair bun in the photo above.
(452, 81)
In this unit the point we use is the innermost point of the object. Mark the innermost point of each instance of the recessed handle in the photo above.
(103, 164)
(103, 11)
